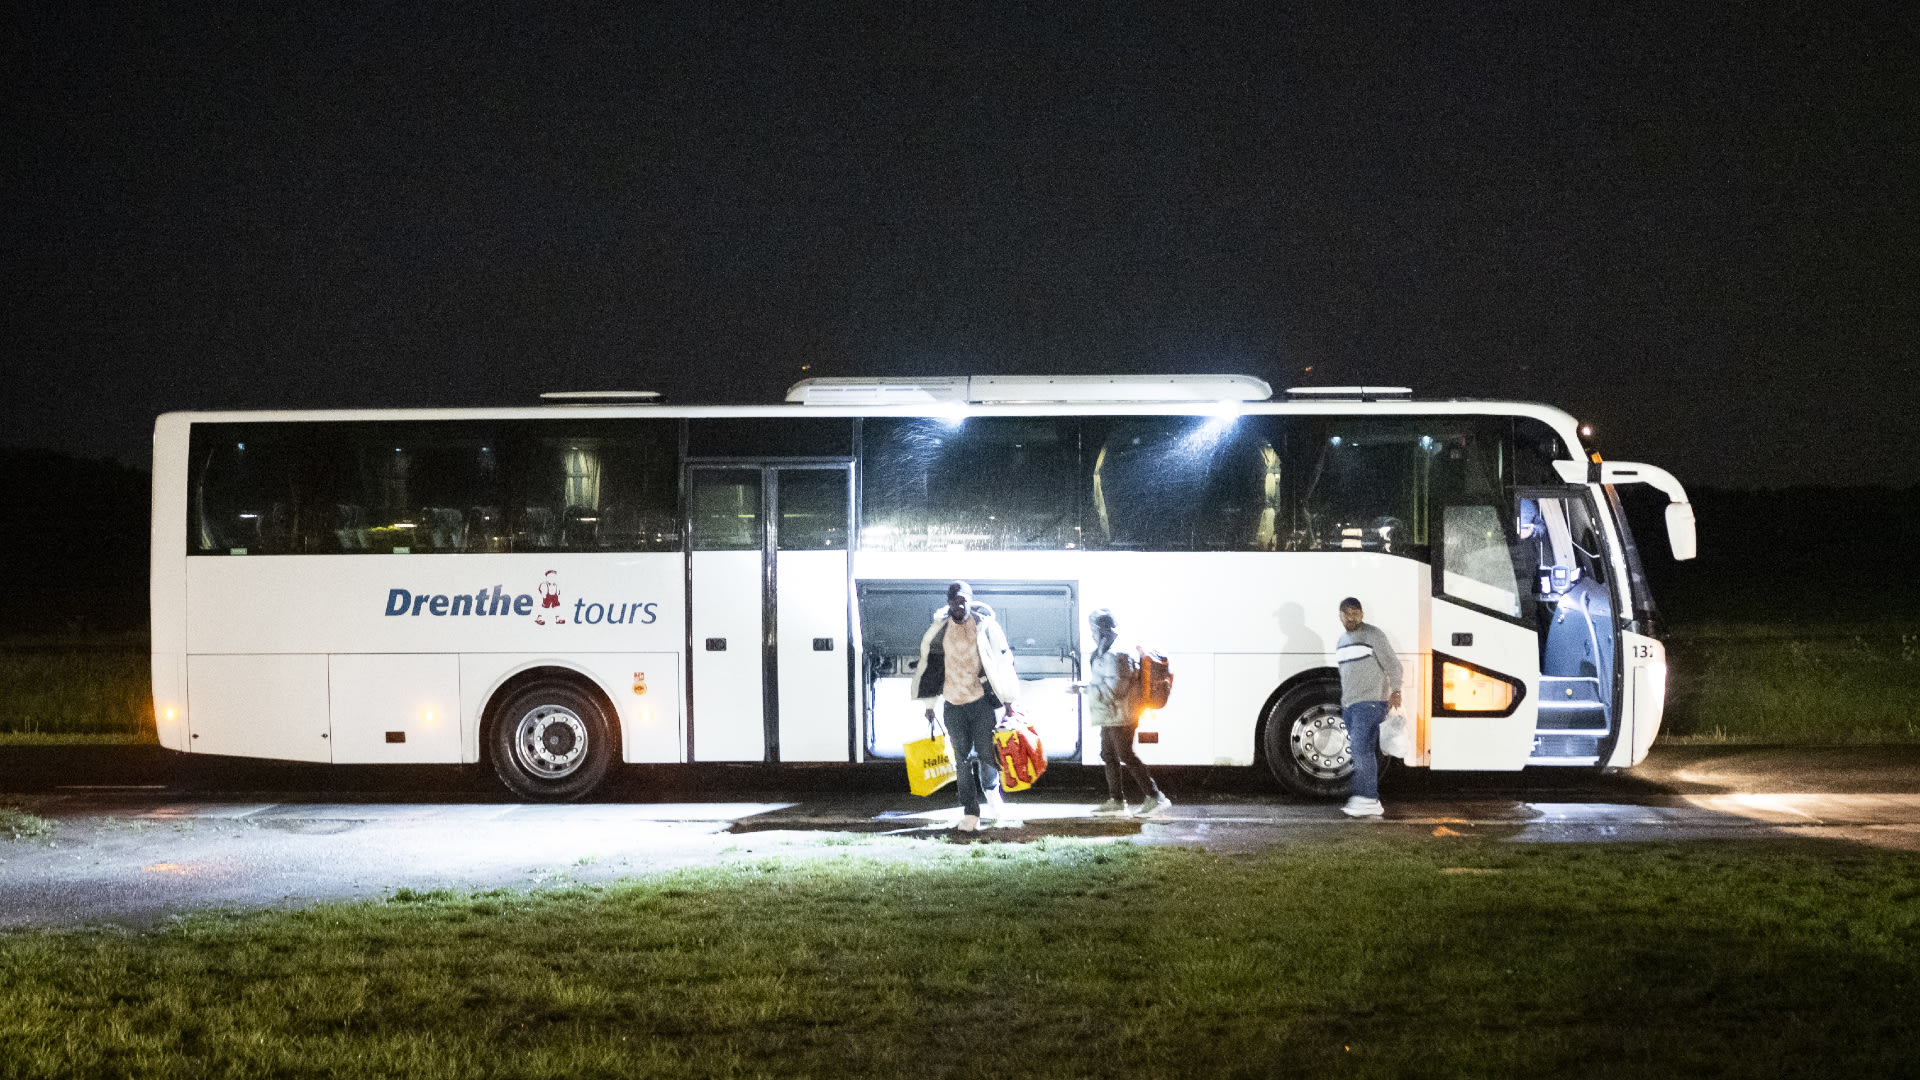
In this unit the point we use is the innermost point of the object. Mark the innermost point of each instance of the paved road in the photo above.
(142, 847)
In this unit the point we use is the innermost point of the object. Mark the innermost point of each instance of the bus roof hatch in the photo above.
(1035, 389)
(1349, 393)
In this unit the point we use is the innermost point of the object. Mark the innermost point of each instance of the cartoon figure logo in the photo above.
(549, 598)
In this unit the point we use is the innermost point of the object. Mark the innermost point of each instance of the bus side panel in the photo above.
(167, 577)
(1182, 732)
(1646, 694)
(400, 709)
(270, 706)
(608, 610)
(1242, 683)
(1502, 743)
(612, 602)
(170, 700)
(1243, 621)
(643, 687)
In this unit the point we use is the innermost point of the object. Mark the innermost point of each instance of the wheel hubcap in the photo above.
(1319, 743)
(550, 741)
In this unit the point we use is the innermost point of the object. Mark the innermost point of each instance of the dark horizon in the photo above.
(1694, 230)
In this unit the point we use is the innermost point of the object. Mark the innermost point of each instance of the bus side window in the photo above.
(246, 492)
(409, 485)
(1181, 483)
(600, 485)
(986, 483)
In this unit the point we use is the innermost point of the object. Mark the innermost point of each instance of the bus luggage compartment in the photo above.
(1041, 619)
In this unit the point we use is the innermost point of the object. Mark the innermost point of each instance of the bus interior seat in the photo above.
(441, 529)
(620, 528)
(482, 530)
(240, 529)
(535, 529)
(350, 527)
(277, 532)
(579, 527)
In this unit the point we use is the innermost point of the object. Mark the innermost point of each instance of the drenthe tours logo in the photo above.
(544, 604)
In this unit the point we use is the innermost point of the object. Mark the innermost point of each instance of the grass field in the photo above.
(1762, 683)
(1360, 957)
(95, 686)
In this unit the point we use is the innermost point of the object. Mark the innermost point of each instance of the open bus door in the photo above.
(1486, 653)
(1562, 560)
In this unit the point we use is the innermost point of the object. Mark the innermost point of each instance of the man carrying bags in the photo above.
(966, 666)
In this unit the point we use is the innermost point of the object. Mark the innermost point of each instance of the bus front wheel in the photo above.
(550, 741)
(1305, 741)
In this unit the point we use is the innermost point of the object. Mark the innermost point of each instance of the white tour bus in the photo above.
(549, 589)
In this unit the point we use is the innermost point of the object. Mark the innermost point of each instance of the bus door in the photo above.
(1486, 653)
(767, 579)
(1564, 564)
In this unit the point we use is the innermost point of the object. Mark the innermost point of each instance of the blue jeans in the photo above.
(1363, 741)
(970, 726)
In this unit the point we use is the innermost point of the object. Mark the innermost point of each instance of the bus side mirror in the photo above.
(1680, 534)
(1680, 530)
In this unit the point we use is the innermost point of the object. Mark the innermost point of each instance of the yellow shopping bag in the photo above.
(929, 763)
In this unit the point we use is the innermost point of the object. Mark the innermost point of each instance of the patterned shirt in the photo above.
(962, 649)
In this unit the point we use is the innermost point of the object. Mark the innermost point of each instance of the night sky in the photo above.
(1696, 228)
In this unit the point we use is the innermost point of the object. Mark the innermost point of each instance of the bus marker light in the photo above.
(639, 682)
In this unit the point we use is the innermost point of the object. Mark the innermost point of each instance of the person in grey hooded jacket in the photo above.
(1114, 706)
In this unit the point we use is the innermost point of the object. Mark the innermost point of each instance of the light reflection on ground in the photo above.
(137, 857)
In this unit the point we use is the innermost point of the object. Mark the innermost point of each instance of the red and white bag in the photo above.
(1016, 744)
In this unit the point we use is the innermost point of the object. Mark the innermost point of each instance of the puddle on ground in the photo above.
(1023, 831)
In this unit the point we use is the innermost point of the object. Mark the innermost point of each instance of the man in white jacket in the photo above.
(966, 666)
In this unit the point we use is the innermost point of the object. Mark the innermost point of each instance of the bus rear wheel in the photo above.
(550, 741)
(1305, 741)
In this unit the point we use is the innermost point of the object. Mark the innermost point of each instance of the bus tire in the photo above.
(550, 741)
(1305, 741)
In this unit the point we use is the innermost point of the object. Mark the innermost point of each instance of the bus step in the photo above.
(1559, 749)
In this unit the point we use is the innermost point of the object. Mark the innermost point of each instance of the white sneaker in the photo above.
(996, 807)
(1361, 806)
(1155, 804)
(969, 823)
(1111, 806)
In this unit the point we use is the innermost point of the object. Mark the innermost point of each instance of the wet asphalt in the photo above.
(142, 835)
